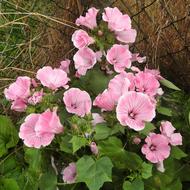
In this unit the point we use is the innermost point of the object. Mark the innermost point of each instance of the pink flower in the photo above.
(146, 83)
(77, 101)
(69, 173)
(28, 133)
(20, 89)
(116, 20)
(39, 129)
(36, 97)
(49, 122)
(167, 130)
(154, 72)
(120, 24)
(156, 148)
(65, 65)
(105, 101)
(94, 148)
(80, 39)
(19, 105)
(120, 57)
(89, 20)
(119, 85)
(97, 118)
(134, 109)
(84, 59)
(126, 36)
(52, 78)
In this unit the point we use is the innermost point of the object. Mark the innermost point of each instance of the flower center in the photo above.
(74, 105)
(152, 147)
(132, 115)
(114, 60)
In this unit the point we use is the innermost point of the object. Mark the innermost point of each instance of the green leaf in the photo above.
(169, 84)
(175, 185)
(48, 181)
(164, 111)
(113, 148)
(65, 144)
(133, 160)
(146, 170)
(177, 153)
(94, 173)
(127, 185)
(34, 158)
(102, 132)
(189, 118)
(137, 184)
(96, 81)
(8, 135)
(117, 128)
(149, 127)
(78, 142)
(8, 184)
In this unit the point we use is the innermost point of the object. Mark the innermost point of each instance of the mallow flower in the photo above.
(69, 173)
(116, 20)
(77, 101)
(120, 57)
(146, 83)
(80, 39)
(156, 148)
(20, 89)
(105, 101)
(89, 20)
(52, 78)
(167, 130)
(19, 105)
(134, 109)
(120, 24)
(119, 85)
(84, 59)
(38, 130)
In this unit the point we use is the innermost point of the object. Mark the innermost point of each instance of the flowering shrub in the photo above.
(97, 121)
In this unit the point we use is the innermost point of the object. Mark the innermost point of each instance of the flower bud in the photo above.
(94, 148)
(100, 33)
(136, 140)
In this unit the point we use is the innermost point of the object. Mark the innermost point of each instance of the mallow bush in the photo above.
(101, 120)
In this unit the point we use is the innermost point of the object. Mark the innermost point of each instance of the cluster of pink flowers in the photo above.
(25, 90)
(118, 55)
(133, 95)
(20, 94)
